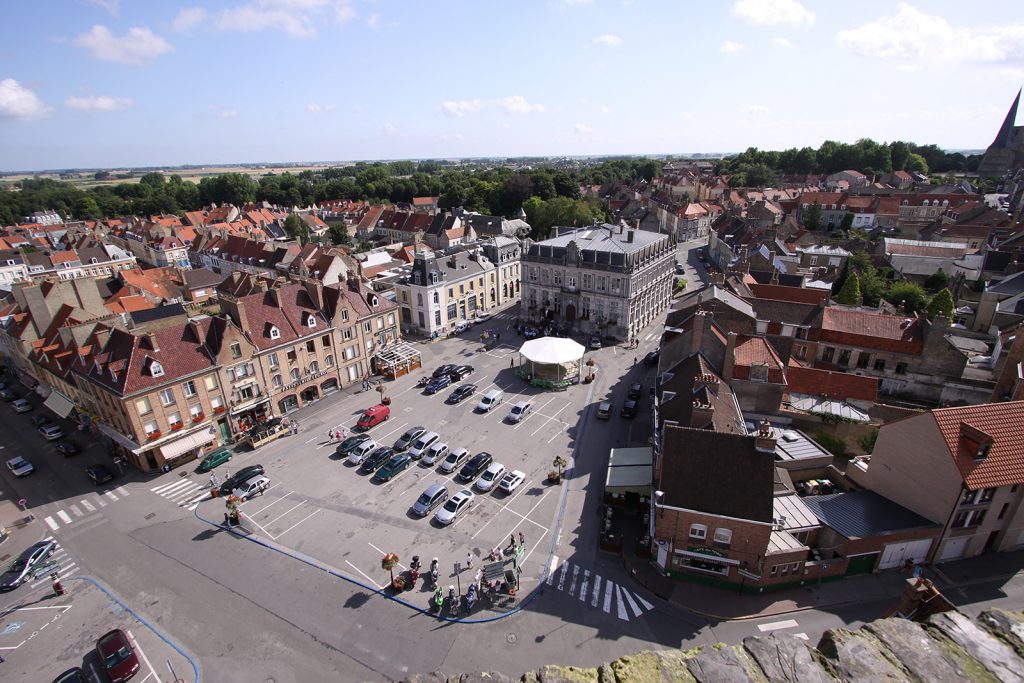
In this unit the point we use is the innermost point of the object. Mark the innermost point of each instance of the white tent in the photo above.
(552, 350)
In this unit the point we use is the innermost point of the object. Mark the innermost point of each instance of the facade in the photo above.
(506, 254)
(440, 291)
(602, 280)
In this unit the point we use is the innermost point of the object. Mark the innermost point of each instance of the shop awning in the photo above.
(59, 403)
(120, 438)
(188, 443)
(248, 406)
(630, 470)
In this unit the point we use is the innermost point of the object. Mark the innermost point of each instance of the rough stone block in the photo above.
(566, 674)
(858, 657)
(433, 677)
(925, 659)
(1006, 625)
(658, 666)
(785, 658)
(727, 665)
(485, 677)
(995, 655)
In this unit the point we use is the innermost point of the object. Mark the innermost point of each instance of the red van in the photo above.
(373, 416)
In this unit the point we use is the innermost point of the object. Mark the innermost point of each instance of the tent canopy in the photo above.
(552, 350)
(630, 470)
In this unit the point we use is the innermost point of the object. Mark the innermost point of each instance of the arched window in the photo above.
(295, 373)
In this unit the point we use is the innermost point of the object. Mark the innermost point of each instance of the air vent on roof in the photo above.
(790, 435)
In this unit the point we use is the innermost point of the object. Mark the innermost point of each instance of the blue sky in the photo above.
(113, 83)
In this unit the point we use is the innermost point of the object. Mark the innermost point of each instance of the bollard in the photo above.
(23, 504)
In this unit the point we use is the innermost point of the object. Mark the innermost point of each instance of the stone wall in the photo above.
(947, 647)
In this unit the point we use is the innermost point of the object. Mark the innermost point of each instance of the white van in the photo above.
(490, 399)
(423, 444)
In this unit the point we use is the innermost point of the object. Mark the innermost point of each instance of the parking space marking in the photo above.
(563, 570)
(534, 412)
(552, 417)
(384, 553)
(365, 576)
(583, 586)
(267, 533)
(77, 510)
(269, 505)
(64, 517)
(775, 625)
(296, 524)
(269, 522)
(152, 671)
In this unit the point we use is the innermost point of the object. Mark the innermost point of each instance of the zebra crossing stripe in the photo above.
(52, 524)
(583, 586)
(122, 490)
(597, 590)
(100, 501)
(87, 505)
(643, 602)
(110, 495)
(608, 588)
(620, 605)
(572, 584)
(554, 567)
(632, 605)
(167, 488)
(77, 510)
(183, 494)
(561, 575)
(64, 517)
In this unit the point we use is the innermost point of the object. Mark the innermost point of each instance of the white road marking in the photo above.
(554, 566)
(643, 602)
(164, 487)
(101, 502)
(51, 523)
(597, 590)
(296, 524)
(575, 573)
(801, 636)
(365, 576)
(271, 521)
(608, 588)
(384, 553)
(64, 517)
(561, 575)
(144, 657)
(169, 489)
(269, 505)
(77, 510)
(122, 490)
(110, 495)
(632, 605)
(649, 337)
(184, 494)
(583, 586)
(776, 625)
(620, 605)
(87, 505)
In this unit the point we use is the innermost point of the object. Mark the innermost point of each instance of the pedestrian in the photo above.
(634, 360)
(511, 363)
(344, 432)
(469, 560)
(330, 435)
(512, 541)
(522, 539)
(213, 478)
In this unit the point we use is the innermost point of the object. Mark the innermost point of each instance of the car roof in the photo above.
(429, 435)
(434, 488)
(464, 493)
(495, 466)
(521, 404)
(459, 451)
(605, 404)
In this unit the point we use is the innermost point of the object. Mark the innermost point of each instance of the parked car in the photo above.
(455, 459)
(461, 394)
(68, 448)
(118, 656)
(628, 410)
(421, 445)
(491, 476)
(8, 394)
(455, 507)
(376, 459)
(406, 439)
(434, 495)
(39, 420)
(435, 453)
(251, 487)
(482, 318)
(461, 372)
(51, 432)
(443, 370)
(346, 446)
(238, 477)
(490, 399)
(475, 465)
(21, 406)
(437, 384)
(393, 467)
(20, 467)
(651, 358)
(72, 675)
(520, 410)
(18, 572)
(99, 474)
(604, 410)
(595, 342)
(361, 452)
(511, 481)
(680, 269)
(635, 390)
(373, 416)
(461, 327)
(217, 457)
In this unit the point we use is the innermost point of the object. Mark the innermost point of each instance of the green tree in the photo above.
(296, 228)
(813, 216)
(338, 232)
(847, 222)
(849, 295)
(911, 295)
(936, 281)
(917, 163)
(940, 304)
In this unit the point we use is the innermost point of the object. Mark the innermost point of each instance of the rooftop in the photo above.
(859, 514)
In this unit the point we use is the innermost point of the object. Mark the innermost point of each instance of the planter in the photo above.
(153, 436)
(199, 418)
(398, 583)
(176, 426)
(554, 478)
(218, 410)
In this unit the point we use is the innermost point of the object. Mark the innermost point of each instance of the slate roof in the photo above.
(201, 277)
(602, 238)
(862, 514)
(1004, 464)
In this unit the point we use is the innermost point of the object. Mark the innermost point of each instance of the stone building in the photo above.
(604, 280)
(442, 290)
(506, 255)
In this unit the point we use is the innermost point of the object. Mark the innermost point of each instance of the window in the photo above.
(844, 358)
(174, 419)
(814, 261)
(142, 405)
(901, 368)
(329, 362)
(437, 298)
(391, 319)
(311, 320)
(236, 350)
(380, 323)
(314, 367)
(774, 571)
(216, 402)
(437, 318)
(291, 355)
(167, 396)
(295, 374)
(801, 353)
(968, 518)
(828, 354)
(344, 311)
(987, 495)
(211, 382)
(275, 333)
(274, 362)
(1002, 511)
(368, 326)
(277, 381)
(310, 346)
(189, 388)
(452, 311)
(698, 531)
(862, 360)
(723, 536)
(149, 427)
(156, 370)
(195, 411)
(326, 341)
(879, 365)
(245, 393)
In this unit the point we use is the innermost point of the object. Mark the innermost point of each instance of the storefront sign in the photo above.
(303, 380)
(705, 551)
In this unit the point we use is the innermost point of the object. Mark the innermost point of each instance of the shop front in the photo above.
(245, 416)
(186, 448)
(703, 561)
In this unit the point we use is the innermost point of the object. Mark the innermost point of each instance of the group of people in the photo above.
(337, 434)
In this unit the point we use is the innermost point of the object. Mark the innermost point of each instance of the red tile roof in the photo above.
(799, 295)
(756, 351)
(1004, 464)
(838, 385)
(870, 329)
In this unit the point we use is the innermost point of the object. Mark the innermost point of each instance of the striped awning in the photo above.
(188, 443)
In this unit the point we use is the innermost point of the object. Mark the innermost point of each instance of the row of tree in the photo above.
(861, 283)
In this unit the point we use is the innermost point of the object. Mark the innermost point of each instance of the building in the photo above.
(440, 291)
(1007, 150)
(506, 254)
(602, 279)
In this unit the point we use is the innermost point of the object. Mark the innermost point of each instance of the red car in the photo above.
(118, 655)
(373, 416)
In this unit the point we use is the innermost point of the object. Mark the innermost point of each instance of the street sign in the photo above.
(494, 570)
(458, 567)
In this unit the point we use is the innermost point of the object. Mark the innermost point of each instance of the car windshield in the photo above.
(452, 505)
(452, 457)
(489, 475)
(17, 566)
(115, 658)
(424, 499)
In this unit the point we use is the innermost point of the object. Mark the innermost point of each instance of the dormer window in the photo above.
(156, 369)
(274, 332)
(311, 321)
(976, 442)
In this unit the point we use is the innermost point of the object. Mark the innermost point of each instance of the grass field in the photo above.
(86, 180)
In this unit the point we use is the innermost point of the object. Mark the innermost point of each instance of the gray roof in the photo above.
(797, 515)
(1011, 286)
(860, 514)
(791, 444)
(604, 238)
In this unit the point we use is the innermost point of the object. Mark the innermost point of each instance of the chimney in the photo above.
(353, 282)
(701, 415)
(730, 357)
(315, 290)
(701, 319)
(630, 235)
(765, 439)
(152, 342)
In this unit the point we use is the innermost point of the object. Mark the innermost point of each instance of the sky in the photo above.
(120, 83)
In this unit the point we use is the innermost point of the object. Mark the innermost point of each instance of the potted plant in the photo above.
(198, 417)
(154, 435)
(388, 562)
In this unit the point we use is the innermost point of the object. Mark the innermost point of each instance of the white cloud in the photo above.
(19, 102)
(373, 20)
(138, 47)
(227, 114)
(109, 5)
(344, 12)
(461, 107)
(314, 108)
(605, 109)
(259, 18)
(188, 18)
(781, 42)
(582, 129)
(758, 109)
(772, 12)
(517, 104)
(729, 47)
(97, 103)
(448, 137)
(577, 2)
(608, 39)
(910, 34)
(389, 129)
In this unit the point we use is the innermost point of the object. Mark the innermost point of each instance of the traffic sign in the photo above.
(494, 570)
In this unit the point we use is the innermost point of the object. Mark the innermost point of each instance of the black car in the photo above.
(462, 393)
(376, 459)
(628, 409)
(21, 569)
(74, 675)
(651, 358)
(438, 384)
(477, 464)
(7, 394)
(410, 435)
(443, 370)
(244, 474)
(39, 420)
(99, 474)
(68, 448)
(461, 372)
(636, 390)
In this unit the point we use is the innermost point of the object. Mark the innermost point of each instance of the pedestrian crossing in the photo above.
(782, 625)
(66, 566)
(186, 493)
(78, 510)
(601, 593)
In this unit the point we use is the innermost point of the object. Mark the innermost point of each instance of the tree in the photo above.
(847, 222)
(849, 295)
(812, 217)
(296, 228)
(936, 281)
(941, 304)
(917, 164)
(911, 295)
(338, 232)
(86, 208)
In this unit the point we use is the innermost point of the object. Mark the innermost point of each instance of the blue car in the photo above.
(438, 384)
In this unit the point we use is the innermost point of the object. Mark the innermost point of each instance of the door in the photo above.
(953, 549)
(663, 556)
(862, 564)
(896, 554)
(570, 313)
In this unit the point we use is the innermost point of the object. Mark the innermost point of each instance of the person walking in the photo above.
(522, 539)
(634, 360)
(469, 560)
(213, 479)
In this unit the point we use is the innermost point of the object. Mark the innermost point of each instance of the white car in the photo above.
(250, 487)
(455, 507)
(456, 459)
(19, 466)
(439, 451)
(21, 406)
(358, 454)
(511, 481)
(519, 411)
(421, 445)
(491, 476)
